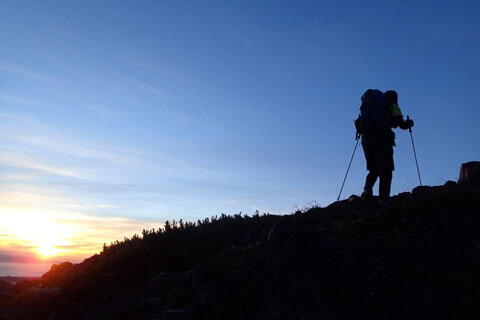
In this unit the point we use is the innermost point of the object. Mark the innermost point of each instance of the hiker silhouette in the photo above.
(379, 113)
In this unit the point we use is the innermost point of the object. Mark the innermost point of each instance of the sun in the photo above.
(47, 250)
(45, 235)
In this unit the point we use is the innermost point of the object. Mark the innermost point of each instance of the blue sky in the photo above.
(149, 110)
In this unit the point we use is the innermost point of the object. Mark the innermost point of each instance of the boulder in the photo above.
(24, 285)
(6, 287)
(470, 173)
(57, 315)
(4, 299)
(154, 304)
(57, 273)
(450, 184)
(353, 198)
(161, 283)
(175, 314)
(421, 191)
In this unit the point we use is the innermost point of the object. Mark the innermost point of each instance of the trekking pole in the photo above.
(348, 169)
(415, 154)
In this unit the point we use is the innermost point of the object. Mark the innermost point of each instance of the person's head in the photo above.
(391, 96)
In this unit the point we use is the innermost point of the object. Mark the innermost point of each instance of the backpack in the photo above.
(372, 112)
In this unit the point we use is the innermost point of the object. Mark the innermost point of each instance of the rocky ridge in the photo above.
(418, 257)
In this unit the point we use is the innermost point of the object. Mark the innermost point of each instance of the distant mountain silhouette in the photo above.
(416, 259)
(17, 258)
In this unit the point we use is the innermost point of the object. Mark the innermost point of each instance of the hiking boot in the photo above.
(367, 195)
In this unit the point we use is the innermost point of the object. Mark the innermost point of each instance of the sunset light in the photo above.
(228, 160)
(39, 231)
(56, 235)
(47, 250)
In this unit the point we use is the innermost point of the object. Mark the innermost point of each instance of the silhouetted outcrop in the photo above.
(418, 258)
(470, 173)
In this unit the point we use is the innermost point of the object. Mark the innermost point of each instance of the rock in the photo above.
(174, 314)
(161, 282)
(74, 311)
(57, 315)
(4, 299)
(270, 234)
(42, 295)
(154, 302)
(353, 198)
(31, 304)
(6, 287)
(24, 285)
(470, 172)
(450, 184)
(158, 278)
(57, 273)
(204, 295)
(421, 190)
(154, 305)
(403, 196)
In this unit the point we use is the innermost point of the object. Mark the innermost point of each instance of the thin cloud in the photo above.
(98, 206)
(47, 137)
(146, 87)
(27, 119)
(15, 100)
(107, 206)
(18, 177)
(18, 161)
(22, 71)
(77, 149)
(16, 257)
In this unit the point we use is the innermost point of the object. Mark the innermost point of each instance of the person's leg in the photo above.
(386, 170)
(370, 182)
(372, 164)
(385, 184)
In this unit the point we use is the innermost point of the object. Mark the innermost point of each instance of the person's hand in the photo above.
(408, 123)
(358, 125)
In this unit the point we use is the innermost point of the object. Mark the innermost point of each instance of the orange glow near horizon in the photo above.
(47, 251)
(39, 232)
(69, 236)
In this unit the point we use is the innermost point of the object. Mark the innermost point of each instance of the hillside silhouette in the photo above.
(418, 258)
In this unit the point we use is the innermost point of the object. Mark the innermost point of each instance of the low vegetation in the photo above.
(416, 258)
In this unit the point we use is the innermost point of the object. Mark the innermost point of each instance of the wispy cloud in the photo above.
(28, 131)
(23, 162)
(102, 96)
(131, 81)
(25, 72)
(76, 148)
(17, 256)
(89, 207)
(22, 118)
(106, 206)
(18, 176)
(15, 99)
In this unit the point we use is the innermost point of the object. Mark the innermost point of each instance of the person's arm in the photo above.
(406, 124)
(397, 119)
(359, 124)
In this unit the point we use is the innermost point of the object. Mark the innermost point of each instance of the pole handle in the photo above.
(409, 129)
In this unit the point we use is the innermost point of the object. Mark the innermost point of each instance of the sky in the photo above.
(116, 116)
